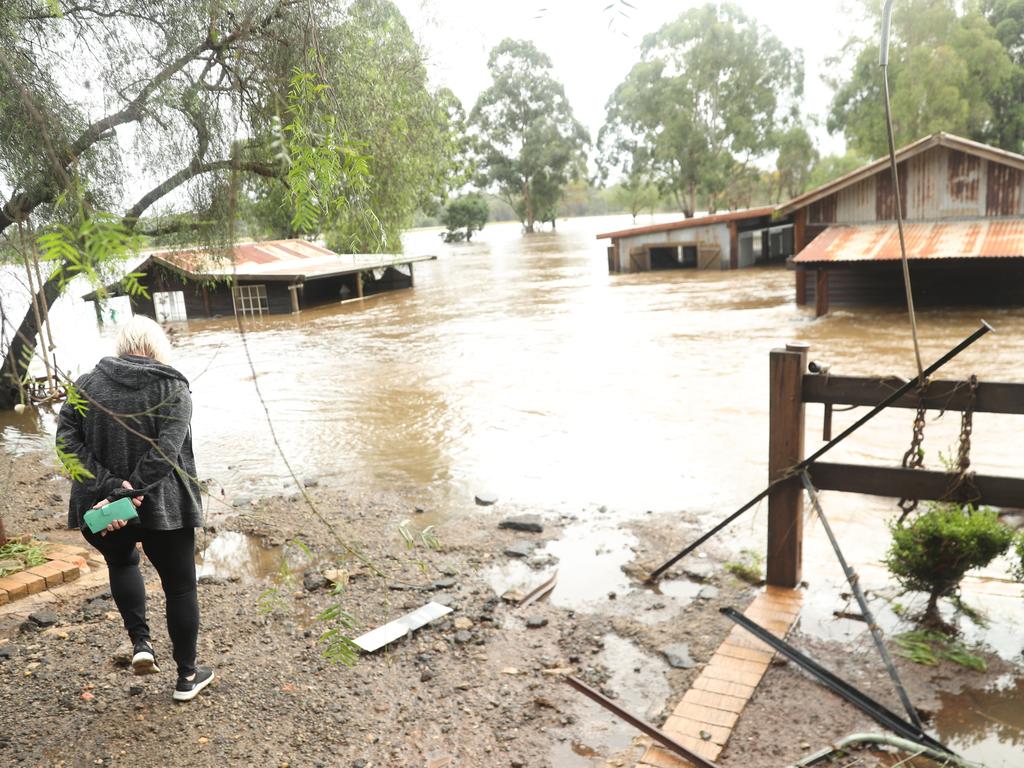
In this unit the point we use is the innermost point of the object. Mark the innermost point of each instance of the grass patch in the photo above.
(28, 555)
(923, 646)
(748, 568)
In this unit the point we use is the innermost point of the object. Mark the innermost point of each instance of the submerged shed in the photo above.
(270, 277)
(964, 210)
(731, 240)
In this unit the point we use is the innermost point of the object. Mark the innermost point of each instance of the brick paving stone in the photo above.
(69, 571)
(14, 589)
(51, 574)
(33, 584)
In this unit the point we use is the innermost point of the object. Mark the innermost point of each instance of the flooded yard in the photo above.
(517, 366)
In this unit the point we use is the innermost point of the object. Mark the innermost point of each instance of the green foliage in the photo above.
(1006, 128)
(946, 67)
(29, 555)
(831, 167)
(927, 647)
(933, 551)
(338, 646)
(679, 121)
(75, 399)
(92, 246)
(796, 161)
(71, 464)
(749, 567)
(463, 216)
(318, 160)
(530, 144)
(1018, 557)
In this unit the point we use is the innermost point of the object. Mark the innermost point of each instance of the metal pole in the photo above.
(985, 328)
(883, 62)
(836, 684)
(662, 738)
(854, 581)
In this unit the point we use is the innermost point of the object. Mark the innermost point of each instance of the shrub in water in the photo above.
(933, 552)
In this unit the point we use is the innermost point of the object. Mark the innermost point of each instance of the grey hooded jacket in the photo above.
(151, 449)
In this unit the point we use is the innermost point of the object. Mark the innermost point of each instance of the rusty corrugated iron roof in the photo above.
(977, 238)
(940, 139)
(275, 260)
(697, 221)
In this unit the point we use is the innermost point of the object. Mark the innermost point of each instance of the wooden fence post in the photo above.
(785, 448)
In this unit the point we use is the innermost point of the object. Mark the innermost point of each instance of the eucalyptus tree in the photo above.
(947, 68)
(709, 95)
(529, 143)
(1006, 129)
(122, 118)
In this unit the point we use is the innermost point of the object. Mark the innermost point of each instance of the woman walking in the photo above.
(135, 436)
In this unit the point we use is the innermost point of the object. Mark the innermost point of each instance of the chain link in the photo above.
(913, 459)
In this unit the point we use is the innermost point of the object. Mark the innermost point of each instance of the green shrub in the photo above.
(463, 216)
(1018, 558)
(29, 555)
(933, 552)
(748, 568)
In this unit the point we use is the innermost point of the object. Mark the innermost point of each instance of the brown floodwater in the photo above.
(518, 366)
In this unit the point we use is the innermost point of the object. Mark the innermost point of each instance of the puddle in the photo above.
(238, 555)
(985, 725)
(638, 681)
(589, 558)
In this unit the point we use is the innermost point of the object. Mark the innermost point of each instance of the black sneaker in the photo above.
(187, 689)
(143, 659)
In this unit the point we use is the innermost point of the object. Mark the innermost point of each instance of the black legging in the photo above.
(172, 553)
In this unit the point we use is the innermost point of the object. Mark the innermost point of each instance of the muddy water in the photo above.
(518, 366)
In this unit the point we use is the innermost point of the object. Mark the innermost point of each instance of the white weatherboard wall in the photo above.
(717, 234)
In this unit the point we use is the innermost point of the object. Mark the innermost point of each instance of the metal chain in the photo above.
(963, 459)
(913, 459)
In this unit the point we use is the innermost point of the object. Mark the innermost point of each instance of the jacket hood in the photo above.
(137, 372)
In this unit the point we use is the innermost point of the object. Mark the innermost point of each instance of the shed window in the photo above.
(169, 306)
(251, 299)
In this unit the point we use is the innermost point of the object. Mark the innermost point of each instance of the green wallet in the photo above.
(122, 509)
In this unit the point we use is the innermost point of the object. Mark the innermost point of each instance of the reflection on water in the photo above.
(637, 680)
(233, 555)
(589, 557)
(985, 725)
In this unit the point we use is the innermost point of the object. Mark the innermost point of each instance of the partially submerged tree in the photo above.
(934, 551)
(530, 145)
(463, 216)
(708, 96)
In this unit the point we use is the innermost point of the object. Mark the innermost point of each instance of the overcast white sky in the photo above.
(591, 59)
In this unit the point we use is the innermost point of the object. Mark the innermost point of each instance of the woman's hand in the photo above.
(117, 525)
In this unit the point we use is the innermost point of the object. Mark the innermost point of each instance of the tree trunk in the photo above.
(932, 617)
(24, 344)
(528, 207)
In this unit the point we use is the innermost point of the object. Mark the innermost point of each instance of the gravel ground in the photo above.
(479, 687)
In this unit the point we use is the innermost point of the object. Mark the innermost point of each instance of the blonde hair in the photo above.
(144, 337)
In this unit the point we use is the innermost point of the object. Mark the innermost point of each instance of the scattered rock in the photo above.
(43, 618)
(699, 571)
(678, 656)
(485, 499)
(6, 652)
(337, 576)
(209, 578)
(312, 581)
(135, 690)
(528, 523)
(520, 549)
(536, 622)
(241, 501)
(513, 596)
(446, 583)
(707, 593)
(462, 637)
(426, 675)
(463, 622)
(310, 482)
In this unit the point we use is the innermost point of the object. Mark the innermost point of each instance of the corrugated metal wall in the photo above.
(938, 184)
(714, 234)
